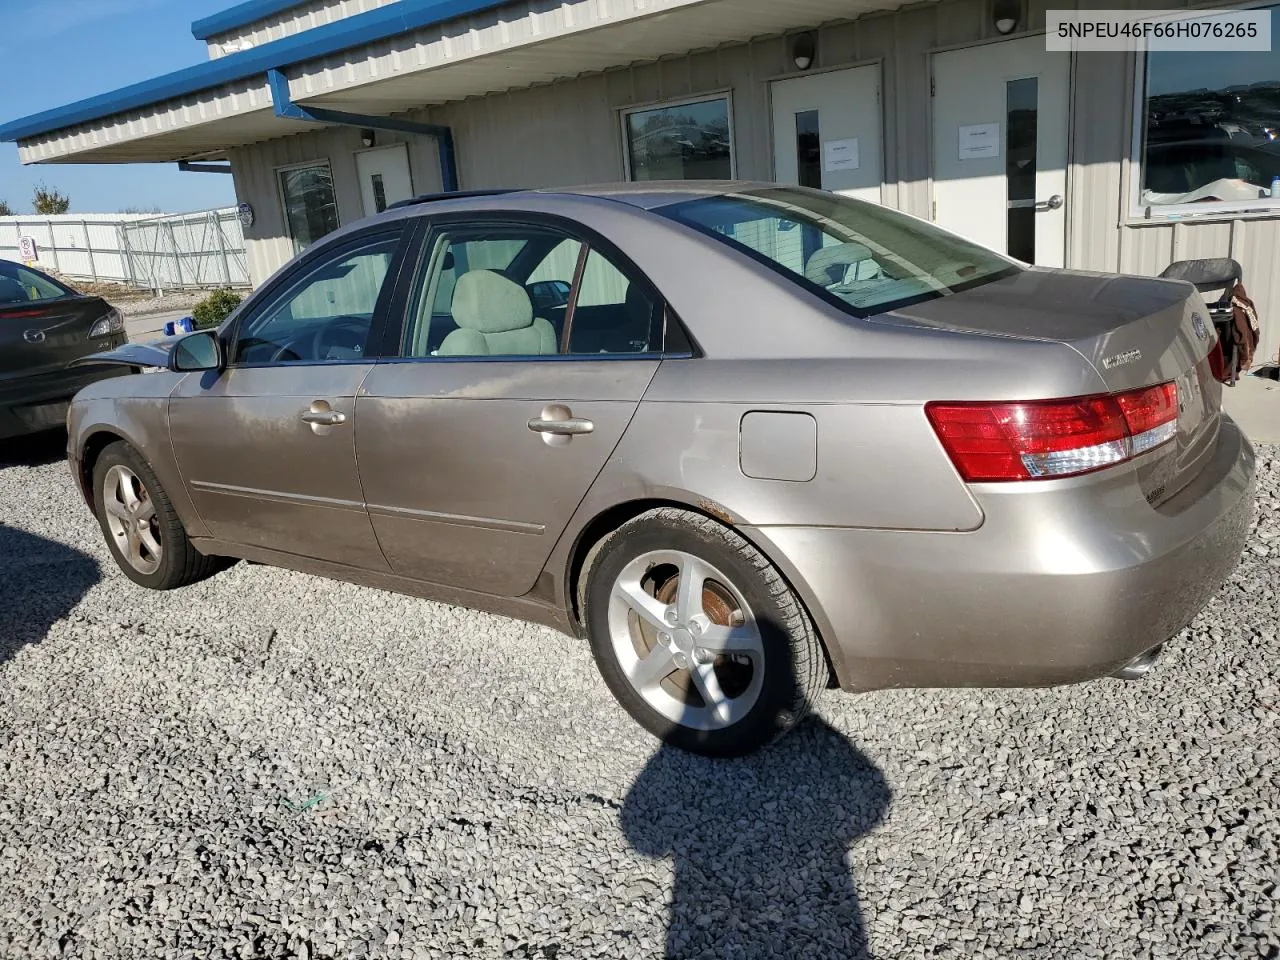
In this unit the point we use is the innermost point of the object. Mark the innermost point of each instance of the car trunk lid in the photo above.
(45, 335)
(1134, 331)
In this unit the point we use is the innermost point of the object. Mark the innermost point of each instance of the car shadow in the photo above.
(760, 845)
(35, 450)
(43, 580)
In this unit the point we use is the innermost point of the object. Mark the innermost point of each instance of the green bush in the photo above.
(214, 308)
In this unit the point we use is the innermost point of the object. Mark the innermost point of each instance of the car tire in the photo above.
(745, 662)
(143, 533)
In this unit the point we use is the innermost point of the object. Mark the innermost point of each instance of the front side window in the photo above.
(862, 256)
(526, 291)
(20, 285)
(1211, 126)
(309, 203)
(324, 316)
(685, 141)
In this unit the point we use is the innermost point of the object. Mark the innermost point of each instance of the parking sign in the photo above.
(28, 247)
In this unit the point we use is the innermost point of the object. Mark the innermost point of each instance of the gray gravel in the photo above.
(165, 303)
(161, 756)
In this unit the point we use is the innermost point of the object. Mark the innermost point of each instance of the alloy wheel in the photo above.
(131, 518)
(686, 639)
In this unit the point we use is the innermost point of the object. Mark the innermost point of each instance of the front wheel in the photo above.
(143, 532)
(698, 636)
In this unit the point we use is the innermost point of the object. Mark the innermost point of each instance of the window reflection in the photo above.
(309, 203)
(688, 141)
(1212, 125)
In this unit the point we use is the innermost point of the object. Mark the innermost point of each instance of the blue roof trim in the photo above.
(241, 15)
(364, 28)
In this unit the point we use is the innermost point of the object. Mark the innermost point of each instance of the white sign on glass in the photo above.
(841, 155)
(979, 141)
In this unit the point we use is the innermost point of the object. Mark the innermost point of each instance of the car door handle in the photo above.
(570, 427)
(324, 418)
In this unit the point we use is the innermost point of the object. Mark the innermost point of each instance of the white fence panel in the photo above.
(204, 249)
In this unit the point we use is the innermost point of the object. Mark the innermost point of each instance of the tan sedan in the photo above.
(748, 441)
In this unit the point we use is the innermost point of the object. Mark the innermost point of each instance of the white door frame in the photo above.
(400, 145)
(883, 105)
(1069, 192)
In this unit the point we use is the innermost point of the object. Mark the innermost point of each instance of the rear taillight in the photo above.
(111, 322)
(1045, 439)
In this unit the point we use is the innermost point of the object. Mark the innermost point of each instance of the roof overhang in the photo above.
(396, 58)
(241, 15)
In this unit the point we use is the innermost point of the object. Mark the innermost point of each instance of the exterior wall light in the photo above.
(803, 50)
(367, 137)
(1005, 15)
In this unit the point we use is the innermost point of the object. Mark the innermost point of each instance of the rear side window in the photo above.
(526, 291)
(20, 285)
(863, 257)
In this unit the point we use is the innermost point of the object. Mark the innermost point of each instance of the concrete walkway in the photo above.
(1254, 403)
(149, 326)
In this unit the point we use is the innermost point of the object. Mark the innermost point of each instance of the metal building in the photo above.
(327, 110)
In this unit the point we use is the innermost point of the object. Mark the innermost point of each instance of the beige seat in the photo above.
(495, 318)
(840, 264)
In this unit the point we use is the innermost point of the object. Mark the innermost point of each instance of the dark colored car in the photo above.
(44, 325)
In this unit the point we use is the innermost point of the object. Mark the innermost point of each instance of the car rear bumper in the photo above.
(1065, 583)
(37, 402)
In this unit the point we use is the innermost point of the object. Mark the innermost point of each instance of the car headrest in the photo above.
(830, 264)
(638, 305)
(487, 302)
(11, 291)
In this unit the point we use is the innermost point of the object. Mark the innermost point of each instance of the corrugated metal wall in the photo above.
(569, 132)
(267, 242)
(287, 23)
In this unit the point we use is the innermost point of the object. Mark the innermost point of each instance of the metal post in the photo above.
(88, 247)
(53, 245)
(177, 259)
(222, 247)
(122, 241)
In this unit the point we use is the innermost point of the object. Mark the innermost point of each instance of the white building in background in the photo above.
(326, 111)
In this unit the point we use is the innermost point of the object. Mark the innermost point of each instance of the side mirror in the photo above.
(198, 351)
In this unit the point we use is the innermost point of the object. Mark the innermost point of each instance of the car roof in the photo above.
(644, 195)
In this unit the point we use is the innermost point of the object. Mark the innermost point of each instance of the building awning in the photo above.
(399, 57)
(241, 15)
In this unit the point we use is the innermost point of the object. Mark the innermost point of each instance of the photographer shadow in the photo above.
(761, 845)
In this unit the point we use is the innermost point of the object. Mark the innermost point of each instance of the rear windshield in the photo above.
(20, 285)
(863, 257)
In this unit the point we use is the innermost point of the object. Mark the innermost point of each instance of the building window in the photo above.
(692, 140)
(309, 204)
(1210, 130)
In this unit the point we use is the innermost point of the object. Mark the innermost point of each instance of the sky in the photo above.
(58, 51)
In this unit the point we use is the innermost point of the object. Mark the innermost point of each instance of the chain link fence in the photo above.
(174, 252)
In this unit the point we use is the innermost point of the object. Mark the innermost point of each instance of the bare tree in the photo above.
(48, 200)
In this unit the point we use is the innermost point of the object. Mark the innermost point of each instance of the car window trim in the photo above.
(575, 291)
(267, 296)
(430, 226)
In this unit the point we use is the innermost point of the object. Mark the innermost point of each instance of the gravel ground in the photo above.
(181, 300)
(272, 765)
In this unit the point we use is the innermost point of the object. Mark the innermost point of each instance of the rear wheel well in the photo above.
(594, 533)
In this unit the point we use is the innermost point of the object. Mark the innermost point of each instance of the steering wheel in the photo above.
(323, 340)
(279, 351)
